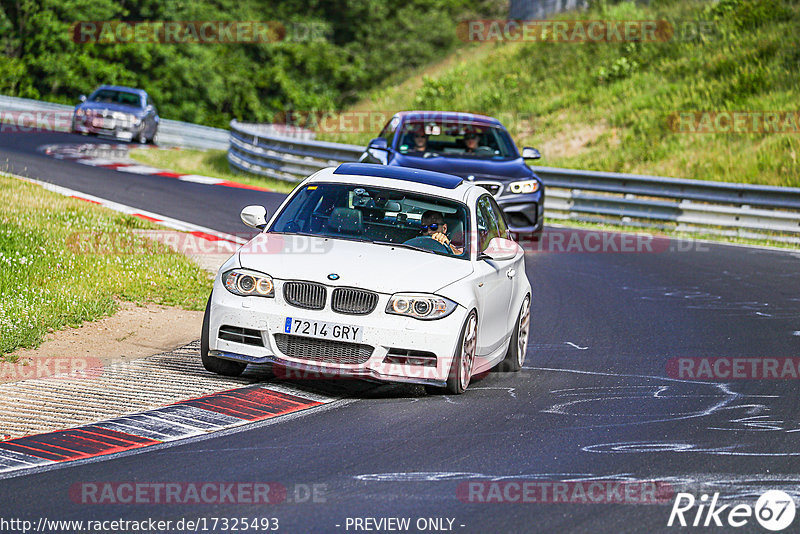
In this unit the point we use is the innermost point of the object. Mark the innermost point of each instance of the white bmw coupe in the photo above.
(375, 272)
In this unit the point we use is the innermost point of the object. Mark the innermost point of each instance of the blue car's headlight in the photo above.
(420, 306)
(248, 283)
(524, 186)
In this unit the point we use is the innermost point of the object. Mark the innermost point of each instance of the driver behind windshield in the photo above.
(420, 139)
(433, 226)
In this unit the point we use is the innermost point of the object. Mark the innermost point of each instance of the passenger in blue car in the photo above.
(471, 142)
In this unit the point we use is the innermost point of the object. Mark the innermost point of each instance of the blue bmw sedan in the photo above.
(475, 147)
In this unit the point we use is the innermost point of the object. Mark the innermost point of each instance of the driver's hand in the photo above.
(441, 238)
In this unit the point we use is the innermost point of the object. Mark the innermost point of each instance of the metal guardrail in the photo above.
(258, 150)
(170, 132)
(655, 202)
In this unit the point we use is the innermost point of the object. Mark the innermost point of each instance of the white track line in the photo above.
(122, 208)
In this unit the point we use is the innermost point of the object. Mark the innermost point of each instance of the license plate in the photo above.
(322, 329)
(106, 124)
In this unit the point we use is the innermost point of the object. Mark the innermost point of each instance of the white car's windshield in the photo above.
(378, 215)
(460, 140)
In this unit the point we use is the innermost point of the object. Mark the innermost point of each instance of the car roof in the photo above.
(438, 179)
(416, 180)
(449, 116)
(123, 88)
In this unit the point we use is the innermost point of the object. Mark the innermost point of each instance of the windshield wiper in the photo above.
(328, 236)
(402, 245)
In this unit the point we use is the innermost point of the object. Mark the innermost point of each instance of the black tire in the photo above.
(457, 378)
(515, 356)
(152, 139)
(216, 365)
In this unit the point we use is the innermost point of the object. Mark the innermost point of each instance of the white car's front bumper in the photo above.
(125, 130)
(382, 332)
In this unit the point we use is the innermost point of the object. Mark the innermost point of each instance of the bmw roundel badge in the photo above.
(333, 276)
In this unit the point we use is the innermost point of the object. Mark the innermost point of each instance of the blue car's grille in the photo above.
(495, 188)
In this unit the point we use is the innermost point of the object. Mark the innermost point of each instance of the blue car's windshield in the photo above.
(378, 215)
(454, 139)
(111, 96)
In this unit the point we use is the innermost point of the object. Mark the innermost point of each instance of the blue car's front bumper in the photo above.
(524, 214)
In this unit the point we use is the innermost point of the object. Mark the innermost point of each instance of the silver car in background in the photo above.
(116, 111)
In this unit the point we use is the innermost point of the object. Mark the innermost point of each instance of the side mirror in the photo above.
(379, 143)
(530, 153)
(500, 249)
(82, 98)
(254, 217)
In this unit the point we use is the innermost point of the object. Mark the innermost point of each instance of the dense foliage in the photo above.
(330, 53)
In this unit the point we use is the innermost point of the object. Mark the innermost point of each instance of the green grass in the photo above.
(607, 106)
(50, 279)
(212, 163)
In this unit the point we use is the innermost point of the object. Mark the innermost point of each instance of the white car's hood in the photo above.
(380, 268)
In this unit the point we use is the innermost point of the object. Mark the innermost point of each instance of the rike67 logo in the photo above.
(774, 510)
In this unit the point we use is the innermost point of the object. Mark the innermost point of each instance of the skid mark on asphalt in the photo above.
(574, 345)
(713, 406)
(511, 391)
(694, 298)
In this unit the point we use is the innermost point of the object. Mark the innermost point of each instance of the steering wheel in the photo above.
(428, 243)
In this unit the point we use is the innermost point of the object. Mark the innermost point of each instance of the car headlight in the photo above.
(420, 306)
(525, 186)
(247, 283)
(79, 113)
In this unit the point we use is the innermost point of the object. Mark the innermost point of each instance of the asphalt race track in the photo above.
(597, 400)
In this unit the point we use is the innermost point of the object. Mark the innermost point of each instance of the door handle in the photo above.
(510, 273)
